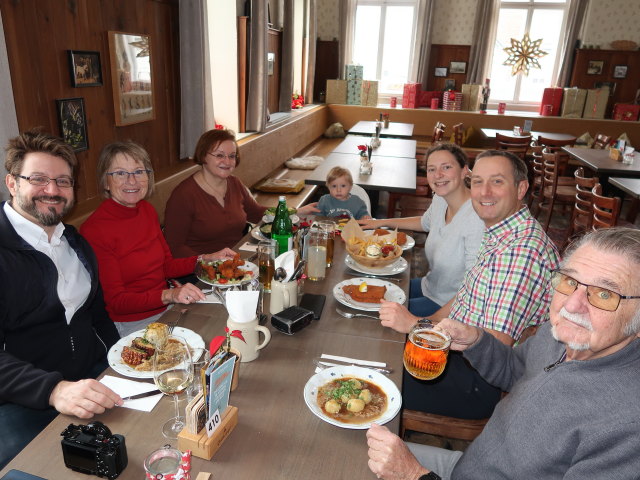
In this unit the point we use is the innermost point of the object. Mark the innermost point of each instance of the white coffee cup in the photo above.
(251, 333)
(283, 295)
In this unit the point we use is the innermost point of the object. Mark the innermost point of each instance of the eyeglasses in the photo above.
(122, 176)
(43, 181)
(599, 297)
(222, 156)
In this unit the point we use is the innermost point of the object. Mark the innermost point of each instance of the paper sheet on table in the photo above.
(126, 388)
(242, 305)
(249, 247)
(210, 298)
(346, 360)
(286, 261)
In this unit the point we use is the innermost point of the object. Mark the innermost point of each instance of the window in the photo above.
(544, 19)
(384, 38)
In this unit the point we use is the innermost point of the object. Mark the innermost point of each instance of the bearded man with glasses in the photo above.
(572, 409)
(54, 330)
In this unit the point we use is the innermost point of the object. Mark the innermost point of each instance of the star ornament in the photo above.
(523, 55)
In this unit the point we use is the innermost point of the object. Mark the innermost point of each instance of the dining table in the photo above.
(560, 137)
(602, 164)
(630, 186)
(391, 174)
(389, 147)
(277, 435)
(395, 129)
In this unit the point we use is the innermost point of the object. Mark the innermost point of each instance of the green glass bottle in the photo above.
(282, 230)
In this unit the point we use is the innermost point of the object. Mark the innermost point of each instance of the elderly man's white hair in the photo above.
(622, 241)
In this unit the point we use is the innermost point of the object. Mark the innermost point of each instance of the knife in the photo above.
(330, 362)
(379, 277)
(142, 395)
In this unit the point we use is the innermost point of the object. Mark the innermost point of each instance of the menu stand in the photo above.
(203, 446)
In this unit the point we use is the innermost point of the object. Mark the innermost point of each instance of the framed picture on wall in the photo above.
(85, 68)
(450, 84)
(73, 122)
(620, 71)
(595, 67)
(131, 75)
(458, 67)
(611, 85)
(440, 72)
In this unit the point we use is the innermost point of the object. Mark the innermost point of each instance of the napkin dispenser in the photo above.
(292, 319)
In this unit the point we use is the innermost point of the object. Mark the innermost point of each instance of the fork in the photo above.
(173, 324)
(351, 315)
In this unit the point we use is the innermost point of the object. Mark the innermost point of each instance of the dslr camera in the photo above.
(94, 450)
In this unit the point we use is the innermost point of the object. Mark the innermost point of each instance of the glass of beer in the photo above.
(329, 227)
(426, 351)
(266, 263)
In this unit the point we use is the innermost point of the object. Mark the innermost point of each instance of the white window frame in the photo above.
(530, 5)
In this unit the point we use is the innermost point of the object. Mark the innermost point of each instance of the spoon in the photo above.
(279, 274)
(351, 315)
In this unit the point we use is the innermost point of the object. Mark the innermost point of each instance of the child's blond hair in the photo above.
(337, 172)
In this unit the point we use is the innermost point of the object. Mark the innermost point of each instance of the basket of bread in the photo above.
(370, 249)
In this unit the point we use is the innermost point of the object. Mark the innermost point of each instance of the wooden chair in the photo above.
(536, 172)
(458, 134)
(423, 191)
(555, 145)
(582, 215)
(552, 192)
(601, 142)
(516, 145)
(605, 209)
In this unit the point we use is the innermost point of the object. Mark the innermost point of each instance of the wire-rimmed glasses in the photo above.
(121, 176)
(43, 180)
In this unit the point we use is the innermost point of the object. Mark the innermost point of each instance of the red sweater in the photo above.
(133, 258)
(195, 223)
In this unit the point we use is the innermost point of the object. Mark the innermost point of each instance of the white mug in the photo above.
(251, 334)
(283, 295)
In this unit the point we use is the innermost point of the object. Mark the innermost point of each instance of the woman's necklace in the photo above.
(218, 193)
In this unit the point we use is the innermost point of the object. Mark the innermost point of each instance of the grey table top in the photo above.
(491, 132)
(389, 147)
(599, 162)
(627, 185)
(365, 127)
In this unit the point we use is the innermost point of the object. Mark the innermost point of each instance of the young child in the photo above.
(339, 202)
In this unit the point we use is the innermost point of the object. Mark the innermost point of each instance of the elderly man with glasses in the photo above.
(573, 408)
(54, 330)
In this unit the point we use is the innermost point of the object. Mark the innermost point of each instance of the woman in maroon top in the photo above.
(133, 257)
(210, 210)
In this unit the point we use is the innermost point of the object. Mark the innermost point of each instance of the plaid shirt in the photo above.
(508, 287)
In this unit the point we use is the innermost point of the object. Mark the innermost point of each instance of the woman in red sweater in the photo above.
(133, 257)
(209, 210)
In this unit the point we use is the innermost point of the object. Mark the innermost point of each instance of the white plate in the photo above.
(410, 243)
(398, 266)
(115, 360)
(394, 293)
(394, 399)
(257, 234)
(252, 267)
(269, 218)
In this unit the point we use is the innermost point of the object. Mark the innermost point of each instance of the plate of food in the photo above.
(399, 266)
(270, 213)
(405, 241)
(352, 397)
(366, 293)
(269, 218)
(226, 273)
(262, 233)
(132, 355)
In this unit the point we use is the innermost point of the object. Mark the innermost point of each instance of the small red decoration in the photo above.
(297, 101)
(219, 127)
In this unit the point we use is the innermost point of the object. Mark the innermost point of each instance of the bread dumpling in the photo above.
(365, 395)
(332, 406)
(156, 334)
(355, 405)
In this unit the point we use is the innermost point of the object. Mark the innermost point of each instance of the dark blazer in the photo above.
(39, 349)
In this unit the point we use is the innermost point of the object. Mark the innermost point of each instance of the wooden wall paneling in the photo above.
(327, 67)
(274, 45)
(442, 56)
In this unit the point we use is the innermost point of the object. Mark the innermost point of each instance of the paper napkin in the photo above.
(125, 388)
(286, 261)
(242, 305)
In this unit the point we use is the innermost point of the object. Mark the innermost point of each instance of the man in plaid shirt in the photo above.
(504, 292)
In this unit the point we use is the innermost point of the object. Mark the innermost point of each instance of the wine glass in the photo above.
(172, 374)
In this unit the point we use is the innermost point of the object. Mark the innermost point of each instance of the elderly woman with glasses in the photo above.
(210, 209)
(133, 256)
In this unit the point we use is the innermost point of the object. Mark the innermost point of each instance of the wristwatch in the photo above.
(430, 476)
(425, 321)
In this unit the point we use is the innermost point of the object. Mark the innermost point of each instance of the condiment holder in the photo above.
(203, 446)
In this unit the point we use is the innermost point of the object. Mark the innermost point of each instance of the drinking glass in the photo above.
(199, 358)
(266, 263)
(426, 351)
(316, 254)
(172, 374)
(329, 227)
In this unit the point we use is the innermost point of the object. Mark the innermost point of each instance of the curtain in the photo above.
(347, 29)
(424, 30)
(286, 69)
(195, 77)
(257, 91)
(311, 50)
(483, 29)
(8, 118)
(575, 20)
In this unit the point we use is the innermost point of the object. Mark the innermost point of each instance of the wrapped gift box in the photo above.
(410, 95)
(471, 97)
(596, 103)
(553, 97)
(353, 72)
(369, 93)
(451, 100)
(573, 102)
(354, 89)
(336, 91)
(424, 98)
(626, 112)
